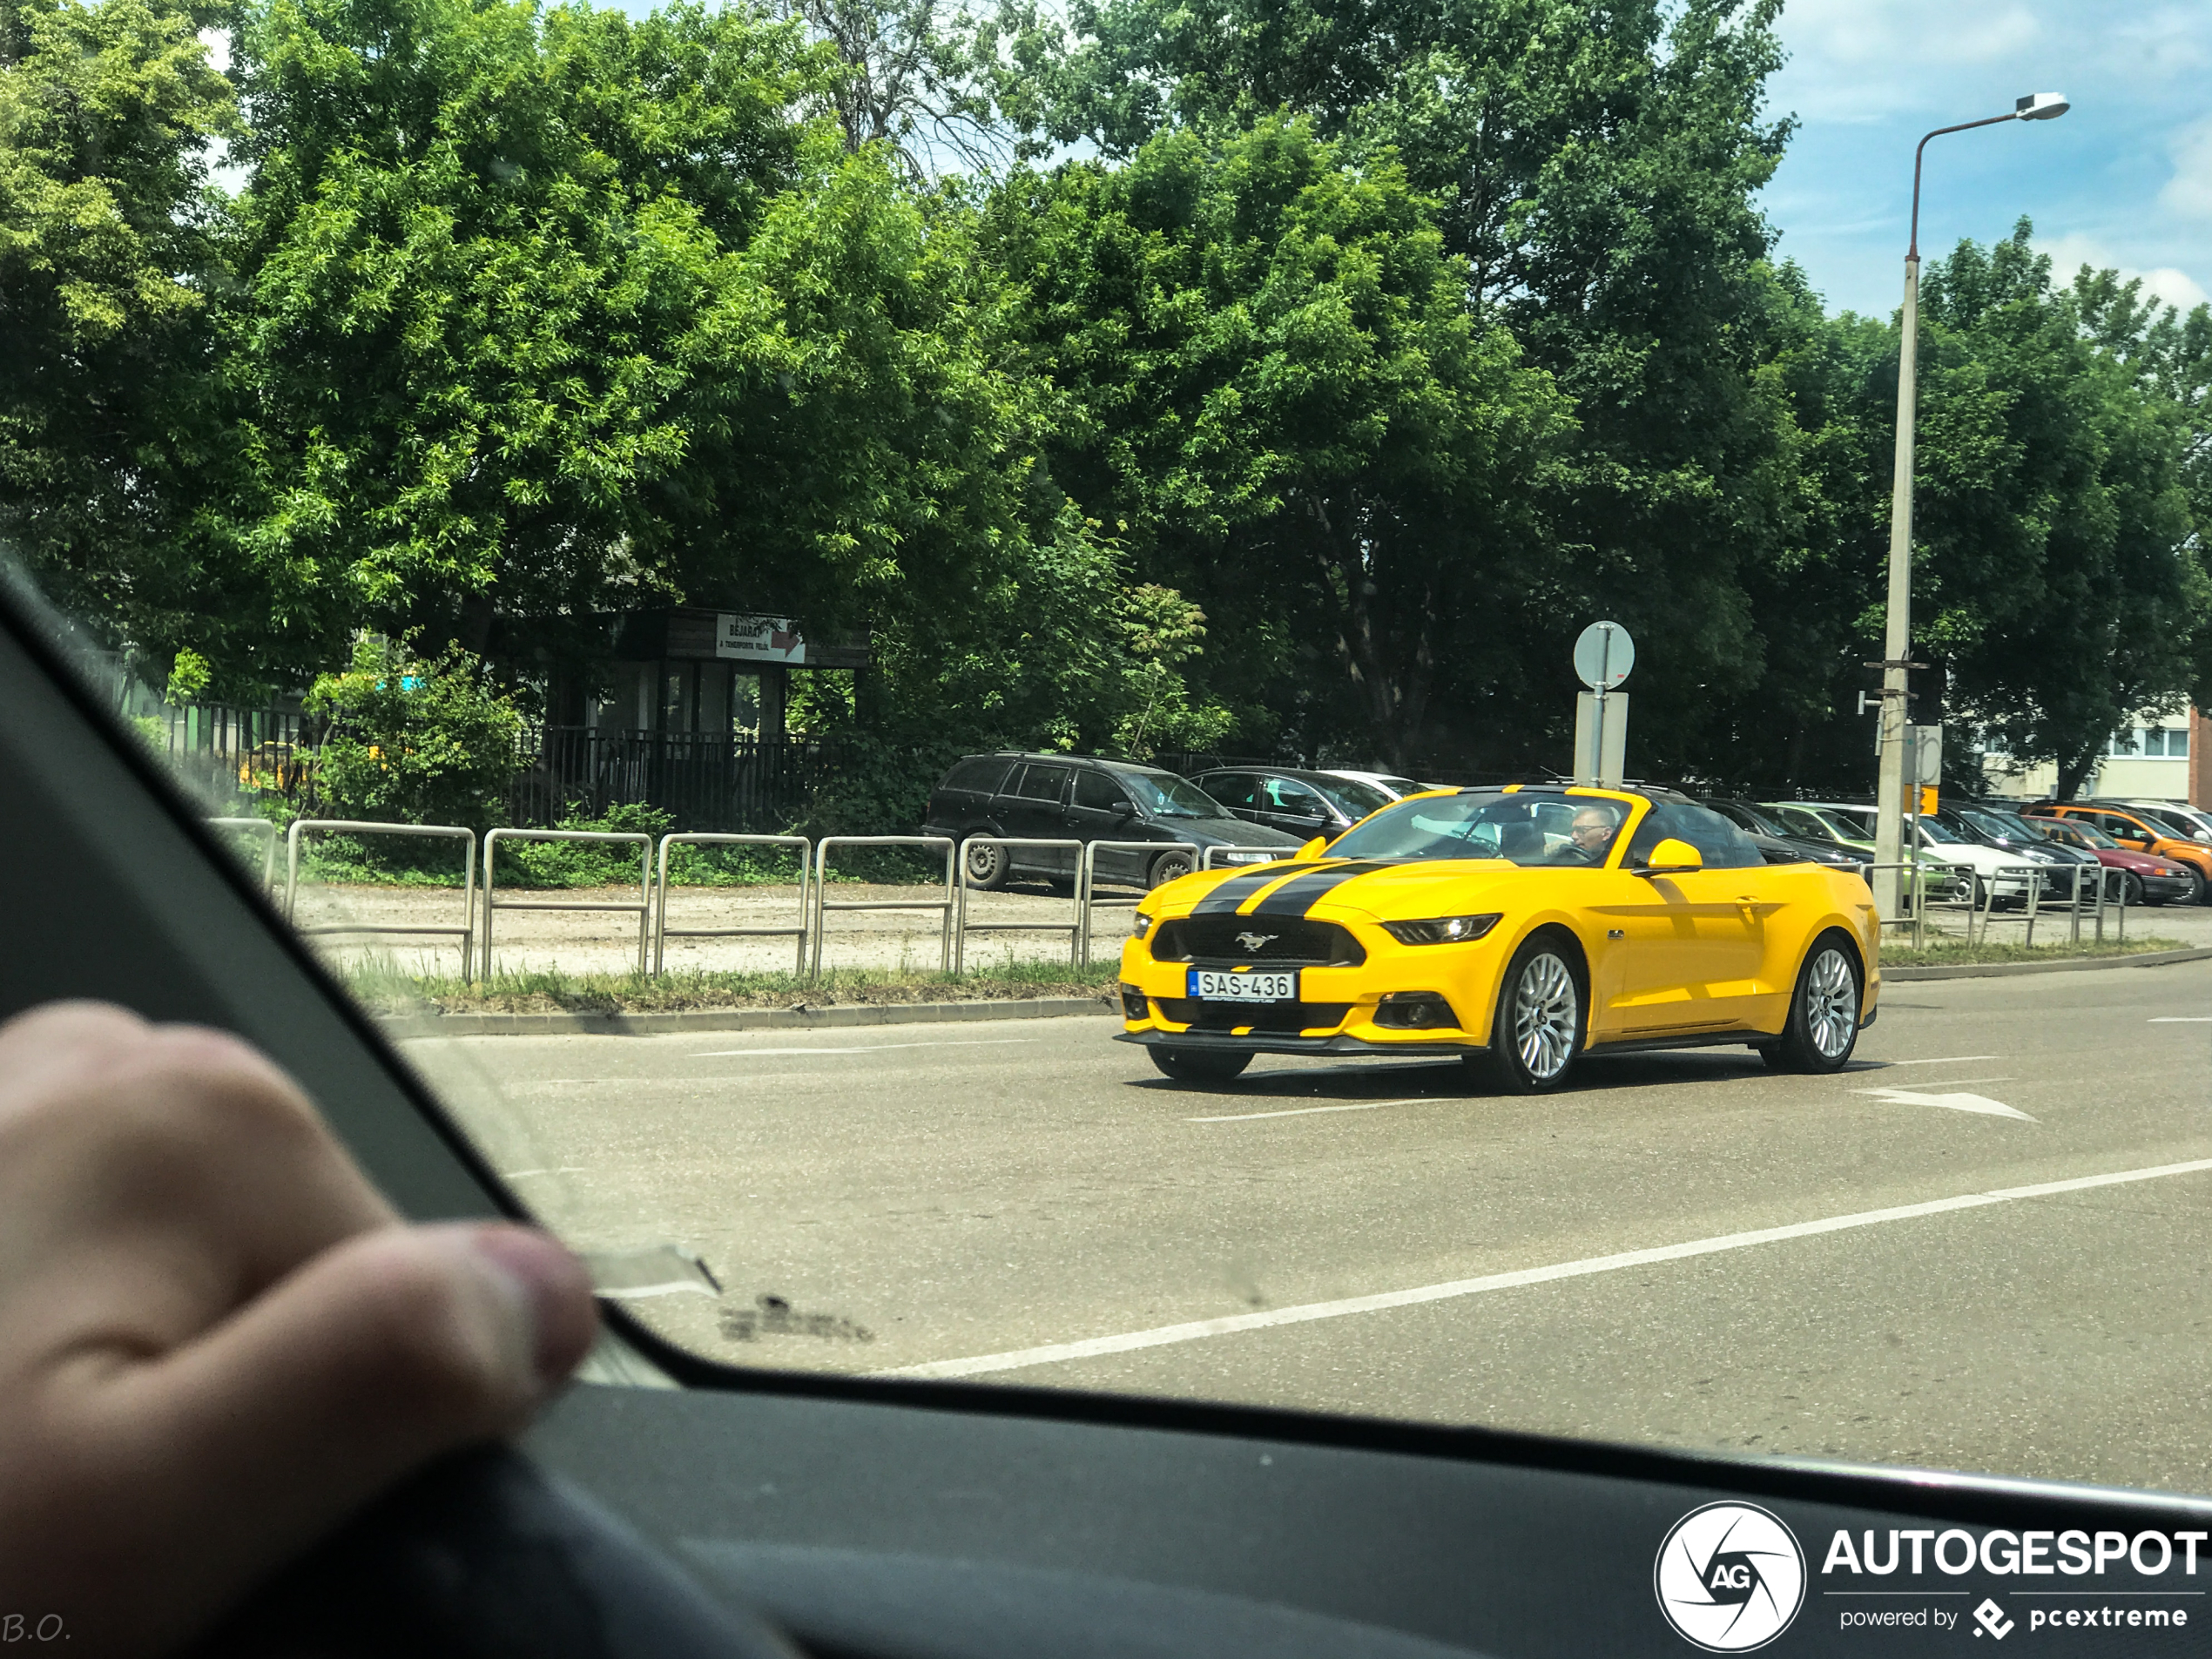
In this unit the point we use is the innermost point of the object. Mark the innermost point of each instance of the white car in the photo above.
(1390, 783)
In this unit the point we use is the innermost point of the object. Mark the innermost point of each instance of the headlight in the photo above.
(1248, 856)
(1143, 925)
(1441, 930)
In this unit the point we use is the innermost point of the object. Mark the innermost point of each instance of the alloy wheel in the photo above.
(1547, 1018)
(1831, 1003)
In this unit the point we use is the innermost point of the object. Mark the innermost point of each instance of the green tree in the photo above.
(1273, 390)
(110, 244)
(1595, 162)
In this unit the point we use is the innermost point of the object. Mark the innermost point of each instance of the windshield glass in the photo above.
(1159, 795)
(1940, 833)
(1521, 829)
(662, 536)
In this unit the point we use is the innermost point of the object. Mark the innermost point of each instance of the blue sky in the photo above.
(2124, 178)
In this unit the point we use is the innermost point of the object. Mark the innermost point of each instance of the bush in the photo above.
(417, 740)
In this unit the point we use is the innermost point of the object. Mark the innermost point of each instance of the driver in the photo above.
(1590, 838)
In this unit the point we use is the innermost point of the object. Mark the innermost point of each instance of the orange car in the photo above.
(2140, 833)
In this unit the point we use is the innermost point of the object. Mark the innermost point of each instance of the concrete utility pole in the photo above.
(1897, 636)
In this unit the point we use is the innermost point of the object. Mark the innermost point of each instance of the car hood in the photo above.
(1401, 890)
(1224, 832)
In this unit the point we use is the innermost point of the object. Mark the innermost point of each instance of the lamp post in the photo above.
(1897, 638)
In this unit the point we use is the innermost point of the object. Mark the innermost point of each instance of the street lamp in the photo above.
(1889, 810)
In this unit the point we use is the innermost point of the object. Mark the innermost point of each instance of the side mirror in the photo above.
(1314, 848)
(1120, 808)
(1672, 857)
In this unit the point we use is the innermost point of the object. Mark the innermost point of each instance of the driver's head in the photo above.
(1593, 829)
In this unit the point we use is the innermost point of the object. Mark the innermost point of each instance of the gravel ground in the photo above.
(580, 942)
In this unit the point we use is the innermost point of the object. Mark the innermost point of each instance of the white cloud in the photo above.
(2069, 254)
(2190, 191)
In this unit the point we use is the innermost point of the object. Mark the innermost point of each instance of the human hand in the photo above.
(217, 1340)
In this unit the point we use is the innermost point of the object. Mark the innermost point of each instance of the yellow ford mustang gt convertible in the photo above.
(1516, 928)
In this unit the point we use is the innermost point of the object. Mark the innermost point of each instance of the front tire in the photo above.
(2200, 889)
(1170, 866)
(986, 866)
(2131, 889)
(1198, 1065)
(1824, 1011)
(1541, 1020)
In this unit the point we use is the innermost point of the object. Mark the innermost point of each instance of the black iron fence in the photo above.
(732, 785)
(228, 752)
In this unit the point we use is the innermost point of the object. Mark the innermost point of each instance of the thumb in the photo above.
(237, 1450)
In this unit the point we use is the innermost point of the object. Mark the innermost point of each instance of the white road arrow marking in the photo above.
(1950, 1103)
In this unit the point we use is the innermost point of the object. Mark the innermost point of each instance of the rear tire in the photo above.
(987, 867)
(1542, 1018)
(1170, 866)
(1198, 1065)
(1823, 1010)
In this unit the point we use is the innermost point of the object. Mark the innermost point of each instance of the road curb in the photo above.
(2079, 964)
(838, 1016)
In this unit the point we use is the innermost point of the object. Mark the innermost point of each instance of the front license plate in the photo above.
(1212, 985)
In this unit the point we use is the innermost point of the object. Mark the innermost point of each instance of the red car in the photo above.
(2150, 879)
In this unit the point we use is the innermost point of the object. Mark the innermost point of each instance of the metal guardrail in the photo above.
(963, 926)
(1275, 855)
(1086, 883)
(823, 906)
(643, 908)
(466, 933)
(662, 933)
(267, 831)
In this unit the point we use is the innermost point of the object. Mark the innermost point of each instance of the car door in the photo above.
(1694, 943)
(1237, 791)
(1295, 808)
(1099, 809)
(1035, 808)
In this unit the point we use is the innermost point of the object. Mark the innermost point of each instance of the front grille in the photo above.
(1201, 1016)
(1284, 941)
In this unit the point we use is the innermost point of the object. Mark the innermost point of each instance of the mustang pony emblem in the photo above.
(1254, 941)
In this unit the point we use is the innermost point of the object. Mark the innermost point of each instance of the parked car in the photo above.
(2002, 827)
(1389, 782)
(2137, 831)
(2191, 823)
(2147, 879)
(1763, 827)
(1041, 797)
(1850, 828)
(1304, 804)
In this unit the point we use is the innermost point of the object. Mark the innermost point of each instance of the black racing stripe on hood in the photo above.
(1225, 899)
(1301, 894)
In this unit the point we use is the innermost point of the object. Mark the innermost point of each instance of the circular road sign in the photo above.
(1604, 655)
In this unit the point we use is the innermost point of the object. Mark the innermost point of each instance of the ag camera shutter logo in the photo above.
(1730, 1577)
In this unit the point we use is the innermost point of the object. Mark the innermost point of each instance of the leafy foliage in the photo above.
(413, 740)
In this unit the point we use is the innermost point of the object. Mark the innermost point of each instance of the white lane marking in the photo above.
(1948, 1060)
(1307, 1111)
(869, 1047)
(2182, 1019)
(1980, 1103)
(1161, 1336)
(566, 1169)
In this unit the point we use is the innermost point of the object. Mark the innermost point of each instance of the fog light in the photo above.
(1415, 1011)
(1133, 1003)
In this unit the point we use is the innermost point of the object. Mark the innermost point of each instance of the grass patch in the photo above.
(1946, 952)
(551, 991)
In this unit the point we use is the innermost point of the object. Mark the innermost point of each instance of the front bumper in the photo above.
(2167, 887)
(1281, 1043)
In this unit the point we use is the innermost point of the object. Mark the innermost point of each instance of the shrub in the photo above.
(417, 740)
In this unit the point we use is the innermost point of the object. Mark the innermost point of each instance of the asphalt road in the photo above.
(977, 1198)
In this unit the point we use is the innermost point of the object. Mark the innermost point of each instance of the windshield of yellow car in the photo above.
(1519, 828)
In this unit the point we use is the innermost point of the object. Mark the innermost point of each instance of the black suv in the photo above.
(1074, 798)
